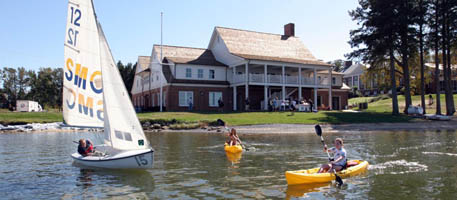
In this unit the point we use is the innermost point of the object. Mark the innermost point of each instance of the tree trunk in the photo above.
(451, 107)
(447, 89)
(437, 78)
(406, 81)
(421, 48)
(393, 83)
(451, 110)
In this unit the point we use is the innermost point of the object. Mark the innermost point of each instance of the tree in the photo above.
(449, 20)
(337, 65)
(22, 82)
(421, 12)
(377, 37)
(9, 78)
(127, 74)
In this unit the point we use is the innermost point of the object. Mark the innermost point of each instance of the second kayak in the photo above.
(233, 149)
(311, 176)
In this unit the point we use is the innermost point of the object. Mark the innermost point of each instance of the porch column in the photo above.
(265, 97)
(247, 80)
(315, 89)
(330, 89)
(234, 97)
(283, 83)
(315, 99)
(265, 88)
(299, 83)
(233, 74)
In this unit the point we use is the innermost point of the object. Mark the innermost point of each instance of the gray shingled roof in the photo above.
(188, 55)
(143, 62)
(266, 46)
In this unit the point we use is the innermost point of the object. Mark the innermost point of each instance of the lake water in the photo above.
(403, 165)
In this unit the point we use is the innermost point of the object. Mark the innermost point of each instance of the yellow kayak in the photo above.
(311, 176)
(233, 149)
(233, 157)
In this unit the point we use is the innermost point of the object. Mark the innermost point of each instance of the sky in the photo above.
(32, 32)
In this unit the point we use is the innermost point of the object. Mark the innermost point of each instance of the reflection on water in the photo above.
(234, 157)
(189, 165)
(301, 190)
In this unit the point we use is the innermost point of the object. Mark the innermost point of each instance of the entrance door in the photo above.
(336, 103)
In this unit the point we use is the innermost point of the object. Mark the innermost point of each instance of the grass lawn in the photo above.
(385, 105)
(377, 112)
(358, 100)
(7, 117)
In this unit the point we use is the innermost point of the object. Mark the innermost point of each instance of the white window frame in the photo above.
(214, 74)
(186, 94)
(200, 75)
(214, 96)
(334, 80)
(189, 72)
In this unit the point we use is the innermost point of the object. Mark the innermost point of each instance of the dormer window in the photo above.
(188, 73)
(212, 74)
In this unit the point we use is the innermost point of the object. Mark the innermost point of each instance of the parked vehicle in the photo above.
(28, 106)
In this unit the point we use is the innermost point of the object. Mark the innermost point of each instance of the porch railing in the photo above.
(274, 79)
(256, 78)
(239, 78)
(307, 80)
(291, 79)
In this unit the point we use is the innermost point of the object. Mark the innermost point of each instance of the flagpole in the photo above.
(161, 59)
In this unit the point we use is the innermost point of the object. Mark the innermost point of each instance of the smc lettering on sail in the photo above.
(77, 75)
(83, 88)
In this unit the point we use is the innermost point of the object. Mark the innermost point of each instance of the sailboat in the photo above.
(94, 94)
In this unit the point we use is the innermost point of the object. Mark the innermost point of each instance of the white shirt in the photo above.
(338, 153)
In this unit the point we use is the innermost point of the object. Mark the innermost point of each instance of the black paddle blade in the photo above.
(338, 180)
(318, 130)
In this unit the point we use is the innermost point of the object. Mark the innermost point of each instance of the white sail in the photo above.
(82, 93)
(123, 131)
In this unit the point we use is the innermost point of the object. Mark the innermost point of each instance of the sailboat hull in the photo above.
(133, 159)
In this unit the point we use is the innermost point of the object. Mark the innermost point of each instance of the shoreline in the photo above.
(329, 128)
(423, 125)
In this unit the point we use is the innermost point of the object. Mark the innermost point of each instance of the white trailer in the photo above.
(28, 106)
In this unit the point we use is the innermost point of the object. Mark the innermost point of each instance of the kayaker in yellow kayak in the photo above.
(233, 138)
(339, 157)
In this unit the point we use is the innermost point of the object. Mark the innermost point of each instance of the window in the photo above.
(185, 97)
(319, 101)
(157, 77)
(200, 73)
(214, 99)
(212, 74)
(333, 80)
(188, 73)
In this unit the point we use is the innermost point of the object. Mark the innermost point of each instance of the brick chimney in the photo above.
(289, 29)
(347, 64)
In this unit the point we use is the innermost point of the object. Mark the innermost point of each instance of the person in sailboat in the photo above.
(85, 147)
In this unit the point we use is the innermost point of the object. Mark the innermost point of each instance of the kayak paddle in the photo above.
(318, 130)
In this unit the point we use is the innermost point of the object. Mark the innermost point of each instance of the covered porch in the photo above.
(255, 83)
